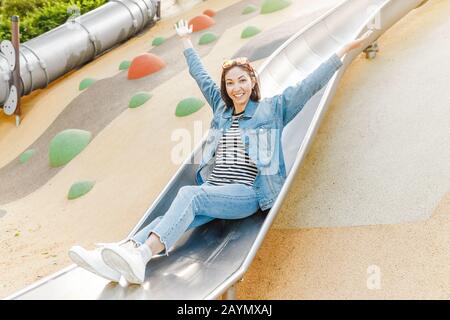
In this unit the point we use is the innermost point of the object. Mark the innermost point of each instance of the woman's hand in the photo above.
(354, 44)
(184, 32)
(182, 29)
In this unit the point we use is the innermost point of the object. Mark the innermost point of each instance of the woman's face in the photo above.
(239, 85)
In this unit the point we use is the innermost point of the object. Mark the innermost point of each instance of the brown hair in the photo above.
(255, 95)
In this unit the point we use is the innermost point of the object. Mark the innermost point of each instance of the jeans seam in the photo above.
(173, 226)
(230, 197)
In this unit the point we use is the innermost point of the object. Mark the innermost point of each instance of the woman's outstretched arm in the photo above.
(210, 90)
(294, 98)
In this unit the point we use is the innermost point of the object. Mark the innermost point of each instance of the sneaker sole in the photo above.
(115, 261)
(83, 264)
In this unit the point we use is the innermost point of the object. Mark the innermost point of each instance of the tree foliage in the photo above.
(40, 16)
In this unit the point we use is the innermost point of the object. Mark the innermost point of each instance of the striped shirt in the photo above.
(233, 165)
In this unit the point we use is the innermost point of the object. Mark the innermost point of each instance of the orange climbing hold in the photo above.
(144, 65)
(201, 22)
(209, 13)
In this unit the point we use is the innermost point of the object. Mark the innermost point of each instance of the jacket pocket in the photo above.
(265, 136)
(261, 143)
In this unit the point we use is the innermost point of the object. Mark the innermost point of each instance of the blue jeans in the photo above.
(196, 205)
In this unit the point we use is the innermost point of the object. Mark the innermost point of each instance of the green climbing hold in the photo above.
(207, 38)
(158, 41)
(249, 9)
(124, 65)
(66, 145)
(139, 99)
(86, 83)
(270, 6)
(188, 106)
(249, 32)
(80, 189)
(24, 157)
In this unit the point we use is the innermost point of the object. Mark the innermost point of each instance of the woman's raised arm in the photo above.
(210, 90)
(294, 98)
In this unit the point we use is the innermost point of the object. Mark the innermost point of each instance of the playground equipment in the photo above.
(210, 260)
(50, 55)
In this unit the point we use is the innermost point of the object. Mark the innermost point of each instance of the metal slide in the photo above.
(208, 261)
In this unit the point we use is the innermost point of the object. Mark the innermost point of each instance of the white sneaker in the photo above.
(92, 261)
(127, 260)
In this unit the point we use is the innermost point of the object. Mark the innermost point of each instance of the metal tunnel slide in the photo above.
(80, 40)
(208, 261)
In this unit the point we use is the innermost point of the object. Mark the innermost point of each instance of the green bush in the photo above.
(40, 16)
(19, 7)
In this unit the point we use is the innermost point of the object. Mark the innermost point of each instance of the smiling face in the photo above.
(239, 85)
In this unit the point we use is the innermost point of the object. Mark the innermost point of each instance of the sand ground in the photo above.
(37, 230)
(380, 159)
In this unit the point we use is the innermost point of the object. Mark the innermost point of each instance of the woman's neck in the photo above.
(239, 108)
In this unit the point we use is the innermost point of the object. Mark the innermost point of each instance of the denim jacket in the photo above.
(261, 126)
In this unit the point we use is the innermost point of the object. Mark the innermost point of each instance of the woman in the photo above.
(241, 172)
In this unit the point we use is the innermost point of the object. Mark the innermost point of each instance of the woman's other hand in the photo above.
(182, 29)
(184, 32)
(354, 44)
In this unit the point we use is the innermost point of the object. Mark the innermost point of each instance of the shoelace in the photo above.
(134, 243)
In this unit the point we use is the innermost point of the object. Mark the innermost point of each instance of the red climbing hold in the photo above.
(209, 13)
(201, 22)
(144, 65)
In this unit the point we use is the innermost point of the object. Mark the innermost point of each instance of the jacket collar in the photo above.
(249, 110)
